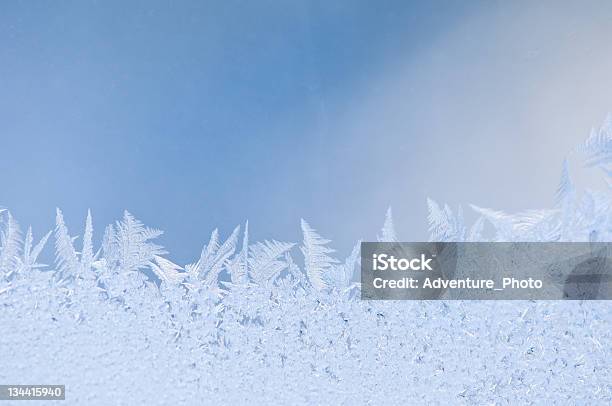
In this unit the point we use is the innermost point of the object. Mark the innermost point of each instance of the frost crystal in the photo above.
(246, 324)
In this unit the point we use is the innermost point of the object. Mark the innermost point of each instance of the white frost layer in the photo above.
(300, 349)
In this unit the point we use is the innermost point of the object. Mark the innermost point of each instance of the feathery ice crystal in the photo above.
(122, 324)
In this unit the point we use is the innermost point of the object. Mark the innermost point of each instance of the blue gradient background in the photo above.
(196, 115)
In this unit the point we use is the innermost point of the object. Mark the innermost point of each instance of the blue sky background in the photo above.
(196, 115)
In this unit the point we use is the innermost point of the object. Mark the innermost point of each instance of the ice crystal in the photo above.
(246, 324)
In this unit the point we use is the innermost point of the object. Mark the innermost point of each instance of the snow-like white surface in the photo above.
(300, 349)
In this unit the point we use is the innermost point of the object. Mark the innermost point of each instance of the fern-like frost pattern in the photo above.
(246, 323)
